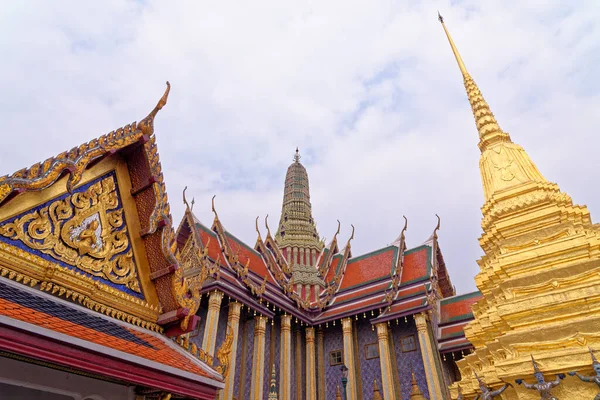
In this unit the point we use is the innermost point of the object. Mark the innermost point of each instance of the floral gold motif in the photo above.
(85, 230)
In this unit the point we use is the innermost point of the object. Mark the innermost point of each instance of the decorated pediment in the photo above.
(84, 231)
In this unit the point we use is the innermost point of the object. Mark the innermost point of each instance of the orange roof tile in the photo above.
(369, 267)
(417, 264)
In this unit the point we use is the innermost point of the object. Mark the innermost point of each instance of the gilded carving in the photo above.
(224, 353)
(85, 230)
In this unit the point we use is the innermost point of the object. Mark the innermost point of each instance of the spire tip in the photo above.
(440, 18)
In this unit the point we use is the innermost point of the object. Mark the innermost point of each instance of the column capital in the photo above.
(421, 320)
(215, 298)
(260, 325)
(310, 334)
(382, 330)
(347, 325)
(234, 309)
(286, 322)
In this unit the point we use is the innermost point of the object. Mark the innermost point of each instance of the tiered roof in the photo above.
(391, 282)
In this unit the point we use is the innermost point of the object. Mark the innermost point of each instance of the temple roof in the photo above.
(34, 313)
(454, 314)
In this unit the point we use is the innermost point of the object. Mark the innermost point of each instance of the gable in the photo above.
(88, 240)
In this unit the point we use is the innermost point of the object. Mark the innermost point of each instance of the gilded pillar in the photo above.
(258, 359)
(349, 359)
(298, 365)
(285, 359)
(311, 367)
(321, 364)
(434, 380)
(212, 322)
(233, 320)
(387, 378)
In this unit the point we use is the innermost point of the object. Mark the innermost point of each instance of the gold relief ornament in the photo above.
(85, 230)
(224, 352)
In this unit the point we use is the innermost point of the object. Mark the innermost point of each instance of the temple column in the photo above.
(387, 379)
(285, 359)
(321, 364)
(349, 359)
(434, 380)
(212, 322)
(298, 364)
(233, 320)
(258, 359)
(311, 366)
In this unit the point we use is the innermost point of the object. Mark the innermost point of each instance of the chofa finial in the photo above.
(267, 225)
(256, 225)
(184, 199)
(405, 224)
(213, 207)
(339, 226)
(351, 236)
(437, 227)
(147, 124)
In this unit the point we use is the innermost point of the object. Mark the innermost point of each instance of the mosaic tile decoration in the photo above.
(250, 341)
(79, 323)
(334, 340)
(409, 360)
(369, 369)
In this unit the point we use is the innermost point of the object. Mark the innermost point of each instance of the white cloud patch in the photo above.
(370, 93)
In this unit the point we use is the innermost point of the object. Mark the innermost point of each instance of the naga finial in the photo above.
(184, 199)
(256, 226)
(437, 227)
(267, 225)
(147, 124)
(351, 236)
(213, 207)
(405, 225)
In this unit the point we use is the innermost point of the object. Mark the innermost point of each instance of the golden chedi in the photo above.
(540, 275)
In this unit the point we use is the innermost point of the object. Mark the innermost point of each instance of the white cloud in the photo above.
(370, 93)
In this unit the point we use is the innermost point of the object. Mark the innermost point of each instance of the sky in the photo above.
(369, 92)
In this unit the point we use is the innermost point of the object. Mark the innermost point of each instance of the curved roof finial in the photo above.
(187, 206)
(267, 225)
(437, 227)
(147, 124)
(339, 226)
(405, 225)
(213, 207)
(256, 225)
(351, 236)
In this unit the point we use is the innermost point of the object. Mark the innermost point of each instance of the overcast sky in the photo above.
(369, 91)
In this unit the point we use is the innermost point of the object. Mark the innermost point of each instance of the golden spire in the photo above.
(415, 393)
(489, 130)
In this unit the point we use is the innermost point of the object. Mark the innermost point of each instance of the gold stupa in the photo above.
(540, 275)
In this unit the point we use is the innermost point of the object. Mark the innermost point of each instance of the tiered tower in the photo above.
(540, 275)
(297, 235)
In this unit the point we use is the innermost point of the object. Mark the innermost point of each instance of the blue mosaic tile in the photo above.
(58, 310)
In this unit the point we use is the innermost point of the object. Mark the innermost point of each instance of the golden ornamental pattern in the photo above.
(86, 230)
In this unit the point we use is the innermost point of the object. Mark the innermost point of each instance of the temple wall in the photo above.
(334, 340)
(370, 368)
(408, 360)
